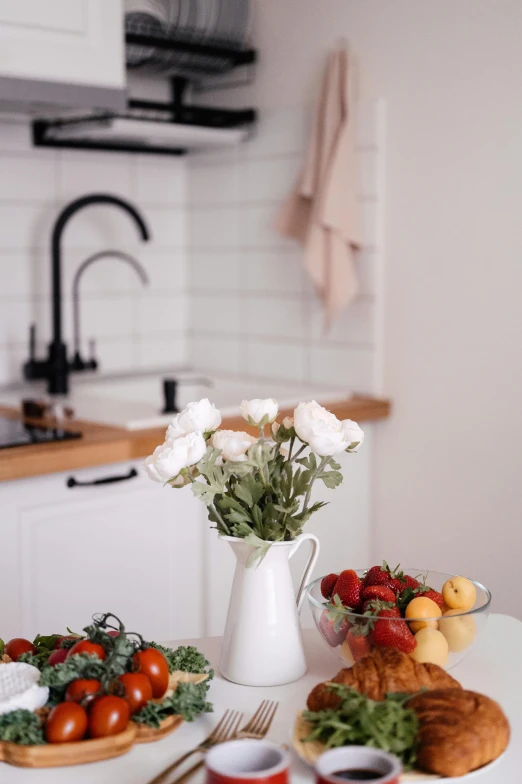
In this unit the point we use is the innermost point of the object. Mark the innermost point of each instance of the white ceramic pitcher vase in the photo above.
(262, 645)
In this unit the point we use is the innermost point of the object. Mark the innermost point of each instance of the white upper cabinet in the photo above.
(63, 52)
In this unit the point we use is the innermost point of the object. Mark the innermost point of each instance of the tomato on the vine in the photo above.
(83, 691)
(86, 646)
(18, 645)
(153, 664)
(138, 690)
(67, 722)
(109, 715)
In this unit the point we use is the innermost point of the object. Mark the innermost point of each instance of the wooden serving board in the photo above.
(149, 734)
(55, 755)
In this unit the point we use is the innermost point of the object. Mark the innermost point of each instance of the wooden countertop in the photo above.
(102, 445)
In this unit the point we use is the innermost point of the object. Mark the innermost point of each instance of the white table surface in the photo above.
(493, 667)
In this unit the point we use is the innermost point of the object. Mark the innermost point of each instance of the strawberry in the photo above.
(392, 632)
(348, 589)
(373, 607)
(435, 596)
(334, 623)
(410, 582)
(383, 575)
(381, 592)
(327, 585)
(358, 643)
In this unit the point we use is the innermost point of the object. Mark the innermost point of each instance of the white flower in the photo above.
(320, 429)
(168, 459)
(200, 417)
(233, 444)
(259, 412)
(353, 434)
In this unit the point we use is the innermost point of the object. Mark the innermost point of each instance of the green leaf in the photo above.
(2, 646)
(261, 549)
(188, 701)
(21, 726)
(186, 658)
(357, 720)
(331, 479)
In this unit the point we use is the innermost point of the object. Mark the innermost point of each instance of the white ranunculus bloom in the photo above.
(320, 429)
(353, 434)
(200, 417)
(233, 444)
(168, 459)
(259, 412)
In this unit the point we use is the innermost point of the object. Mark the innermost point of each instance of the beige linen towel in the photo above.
(322, 211)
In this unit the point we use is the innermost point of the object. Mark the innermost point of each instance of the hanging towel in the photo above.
(322, 211)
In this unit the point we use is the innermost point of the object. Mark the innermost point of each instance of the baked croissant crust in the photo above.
(382, 671)
(459, 731)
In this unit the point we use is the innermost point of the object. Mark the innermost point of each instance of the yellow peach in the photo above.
(459, 593)
(423, 607)
(432, 647)
(347, 654)
(459, 631)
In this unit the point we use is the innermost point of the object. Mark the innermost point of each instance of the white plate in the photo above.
(410, 776)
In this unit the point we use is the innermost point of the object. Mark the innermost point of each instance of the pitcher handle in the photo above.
(314, 555)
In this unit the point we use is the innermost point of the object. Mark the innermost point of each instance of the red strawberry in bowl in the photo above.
(380, 592)
(373, 607)
(334, 623)
(384, 575)
(358, 642)
(327, 584)
(348, 589)
(392, 632)
(435, 596)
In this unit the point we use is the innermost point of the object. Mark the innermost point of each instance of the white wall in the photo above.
(134, 327)
(253, 310)
(447, 488)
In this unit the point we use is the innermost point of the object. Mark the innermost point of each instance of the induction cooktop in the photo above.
(16, 432)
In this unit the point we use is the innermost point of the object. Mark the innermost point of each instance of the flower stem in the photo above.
(292, 441)
(221, 521)
(299, 451)
(314, 476)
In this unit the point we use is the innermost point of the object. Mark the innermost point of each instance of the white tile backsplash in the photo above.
(237, 257)
(132, 326)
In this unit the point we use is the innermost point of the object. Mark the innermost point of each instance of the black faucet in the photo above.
(78, 363)
(56, 367)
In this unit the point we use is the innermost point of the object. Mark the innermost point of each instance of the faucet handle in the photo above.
(92, 362)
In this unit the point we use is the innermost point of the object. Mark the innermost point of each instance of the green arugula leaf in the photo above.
(188, 701)
(386, 725)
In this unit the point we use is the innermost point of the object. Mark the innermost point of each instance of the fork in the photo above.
(226, 729)
(255, 729)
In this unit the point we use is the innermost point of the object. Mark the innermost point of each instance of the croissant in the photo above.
(382, 671)
(459, 731)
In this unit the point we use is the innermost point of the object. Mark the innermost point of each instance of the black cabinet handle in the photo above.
(108, 480)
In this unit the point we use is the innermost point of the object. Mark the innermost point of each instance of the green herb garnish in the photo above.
(386, 725)
(81, 665)
(187, 701)
(21, 726)
(186, 658)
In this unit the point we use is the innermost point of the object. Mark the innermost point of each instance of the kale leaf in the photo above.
(21, 726)
(186, 658)
(187, 701)
(386, 725)
(81, 665)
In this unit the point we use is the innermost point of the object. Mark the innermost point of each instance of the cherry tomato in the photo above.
(66, 722)
(86, 646)
(57, 657)
(153, 664)
(138, 690)
(83, 691)
(17, 646)
(58, 643)
(113, 633)
(109, 715)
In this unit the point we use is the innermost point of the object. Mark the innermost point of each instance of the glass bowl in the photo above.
(350, 635)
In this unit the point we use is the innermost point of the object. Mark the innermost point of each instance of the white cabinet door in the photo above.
(62, 51)
(131, 548)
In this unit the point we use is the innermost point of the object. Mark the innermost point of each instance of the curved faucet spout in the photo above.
(109, 254)
(58, 366)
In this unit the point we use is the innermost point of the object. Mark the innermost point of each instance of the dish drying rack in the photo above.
(164, 128)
